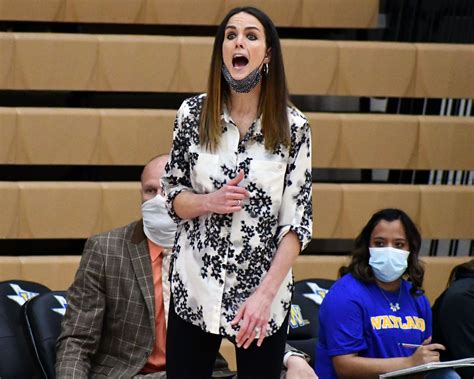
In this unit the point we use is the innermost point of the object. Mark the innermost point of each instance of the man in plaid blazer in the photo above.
(109, 329)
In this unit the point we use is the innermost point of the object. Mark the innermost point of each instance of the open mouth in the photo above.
(239, 61)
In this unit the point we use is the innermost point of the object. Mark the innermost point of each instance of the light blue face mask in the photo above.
(388, 263)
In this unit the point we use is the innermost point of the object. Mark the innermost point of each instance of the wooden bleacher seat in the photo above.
(80, 209)
(391, 141)
(10, 268)
(130, 63)
(84, 136)
(131, 137)
(313, 13)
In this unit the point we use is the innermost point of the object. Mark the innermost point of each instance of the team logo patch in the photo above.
(62, 301)
(317, 294)
(21, 296)
(296, 317)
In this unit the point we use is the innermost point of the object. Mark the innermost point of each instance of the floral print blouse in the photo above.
(219, 260)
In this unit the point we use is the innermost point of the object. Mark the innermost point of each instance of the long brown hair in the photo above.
(459, 269)
(273, 99)
(359, 266)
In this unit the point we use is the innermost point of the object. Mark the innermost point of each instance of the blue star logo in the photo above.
(21, 296)
(62, 301)
(317, 295)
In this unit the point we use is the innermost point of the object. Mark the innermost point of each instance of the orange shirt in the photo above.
(157, 359)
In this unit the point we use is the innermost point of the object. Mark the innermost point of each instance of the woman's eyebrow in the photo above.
(246, 28)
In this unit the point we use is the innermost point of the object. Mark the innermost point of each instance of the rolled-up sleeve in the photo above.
(296, 212)
(177, 176)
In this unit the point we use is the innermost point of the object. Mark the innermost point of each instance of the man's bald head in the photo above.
(151, 175)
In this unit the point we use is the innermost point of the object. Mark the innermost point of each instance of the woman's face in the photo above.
(244, 48)
(389, 234)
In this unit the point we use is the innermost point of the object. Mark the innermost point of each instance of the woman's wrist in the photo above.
(206, 202)
(293, 358)
(267, 290)
(409, 362)
(188, 205)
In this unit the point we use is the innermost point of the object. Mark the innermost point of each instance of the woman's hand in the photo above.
(255, 312)
(253, 317)
(426, 353)
(229, 198)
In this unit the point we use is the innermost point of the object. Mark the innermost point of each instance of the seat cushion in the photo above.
(16, 359)
(43, 315)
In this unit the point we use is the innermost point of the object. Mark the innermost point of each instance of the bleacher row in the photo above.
(80, 209)
(302, 13)
(69, 136)
(43, 61)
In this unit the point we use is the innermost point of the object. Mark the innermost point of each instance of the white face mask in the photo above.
(388, 263)
(157, 224)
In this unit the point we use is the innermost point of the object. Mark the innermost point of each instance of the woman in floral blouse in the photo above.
(239, 185)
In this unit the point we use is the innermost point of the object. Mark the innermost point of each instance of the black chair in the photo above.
(43, 315)
(16, 361)
(304, 316)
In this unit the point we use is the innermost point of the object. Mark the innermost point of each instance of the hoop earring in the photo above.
(265, 68)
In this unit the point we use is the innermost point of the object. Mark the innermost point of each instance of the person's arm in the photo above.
(296, 210)
(296, 364)
(298, 368)
(82, 323)
(291, 351)
(228, 199)
(353, 366)
(177, 177)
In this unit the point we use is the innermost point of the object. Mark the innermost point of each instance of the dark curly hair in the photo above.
(359, 266)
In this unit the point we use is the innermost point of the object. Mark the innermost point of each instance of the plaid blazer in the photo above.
(109, 327)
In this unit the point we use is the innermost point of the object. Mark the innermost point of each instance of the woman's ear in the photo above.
(268, 55)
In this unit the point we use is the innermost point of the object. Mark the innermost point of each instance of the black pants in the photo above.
(191, 352)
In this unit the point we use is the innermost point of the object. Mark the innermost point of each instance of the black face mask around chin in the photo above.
(244, 85)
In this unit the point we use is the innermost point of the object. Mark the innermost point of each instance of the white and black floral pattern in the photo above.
(219, 260)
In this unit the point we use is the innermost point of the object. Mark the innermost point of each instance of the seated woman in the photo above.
(376, 318)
